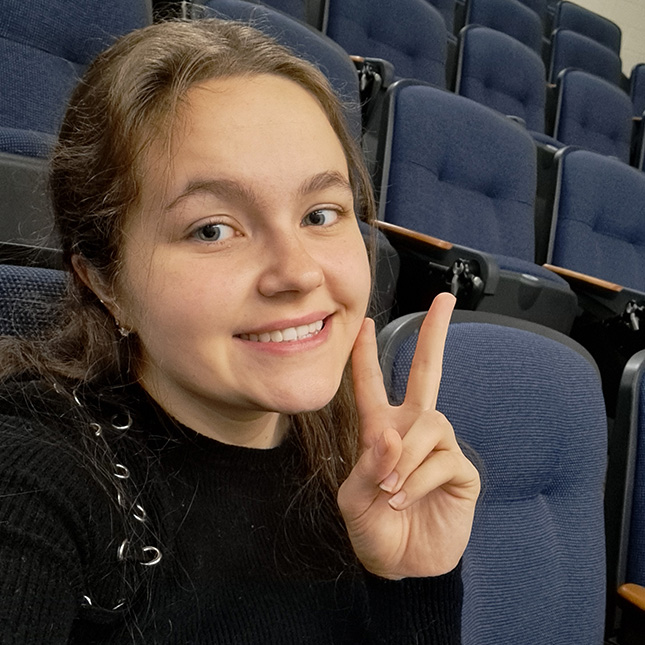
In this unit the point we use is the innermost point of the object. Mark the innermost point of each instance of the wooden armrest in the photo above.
(358, 59)
(413, 236)
(633, 593)
(584, 279)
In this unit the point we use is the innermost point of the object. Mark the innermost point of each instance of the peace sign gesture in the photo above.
(409, 501)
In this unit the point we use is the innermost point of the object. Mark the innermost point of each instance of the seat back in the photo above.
(27, 298)
(569, 15)
(594, 114)
(410, 34)
(571, 49)
(45, 46)
(304, 41)
(599, 219)
(457, 170)
(509, 16)
(497, 70)
(527, 403)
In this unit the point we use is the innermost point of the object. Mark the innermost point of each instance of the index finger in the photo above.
(425, 371)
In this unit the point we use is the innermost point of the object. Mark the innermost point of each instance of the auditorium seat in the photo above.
(569, 15)
(593, 113)
(410, 34)
(453, 169)
(509, 16)
(571, 49)
(525, 403)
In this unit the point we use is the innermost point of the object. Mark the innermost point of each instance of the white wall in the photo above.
(629, 15)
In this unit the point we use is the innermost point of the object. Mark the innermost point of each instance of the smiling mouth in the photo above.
(289, 334)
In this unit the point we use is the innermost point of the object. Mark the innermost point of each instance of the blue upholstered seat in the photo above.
(534, 570)
(456, 170)
(410, 34)
(26, 298)
(323, 52)
(459, 171)
(45, 46)
(539, 6)
(509, 16)
(571, 49)
(599, 219)
(569, 15)
(637, 88)
(499, 71)
(594, 114)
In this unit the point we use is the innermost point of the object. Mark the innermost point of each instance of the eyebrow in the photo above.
(230, 189)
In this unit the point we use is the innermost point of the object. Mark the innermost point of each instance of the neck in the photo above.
(250, 429)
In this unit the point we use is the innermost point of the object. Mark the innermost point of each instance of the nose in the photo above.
(289, 267)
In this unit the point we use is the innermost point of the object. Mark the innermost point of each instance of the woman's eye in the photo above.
(214, 232)
(321, 217)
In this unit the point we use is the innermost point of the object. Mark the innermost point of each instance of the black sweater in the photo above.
(244, 558)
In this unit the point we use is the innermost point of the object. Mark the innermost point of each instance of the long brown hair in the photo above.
(129, 97)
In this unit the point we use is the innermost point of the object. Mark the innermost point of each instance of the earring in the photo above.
(122, 330)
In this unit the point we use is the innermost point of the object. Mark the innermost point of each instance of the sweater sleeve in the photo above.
(423, 611)
(41, 538)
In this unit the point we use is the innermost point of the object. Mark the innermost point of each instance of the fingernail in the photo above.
(389, 482)
(396, 501)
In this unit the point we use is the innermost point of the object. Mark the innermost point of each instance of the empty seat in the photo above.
(497, 70)
(539, 6)
(569, 15)
(509, 16)
(594, 114)
(45, 46)
(410, 34)
(571, 49)
(527, 402)
(453, 169)
(598, 237)
(637, 88)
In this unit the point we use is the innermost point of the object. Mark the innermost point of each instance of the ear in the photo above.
(94, 282)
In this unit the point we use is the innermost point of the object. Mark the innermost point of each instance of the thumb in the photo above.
(361, 488)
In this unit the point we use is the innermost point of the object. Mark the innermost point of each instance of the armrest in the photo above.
(583, 280)
(413, 238)
(634, 594)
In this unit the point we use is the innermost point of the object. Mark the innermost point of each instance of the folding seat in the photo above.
(456, 170)
(45, 46)
(569, 15)
(311, 45)
(525, 402)
(625, 509)
(509, 16)
(499, 71)
(596, 242)
(410, 34)
(593, 113)
(571, 49)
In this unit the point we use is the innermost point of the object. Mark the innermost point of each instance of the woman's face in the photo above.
(245, 275)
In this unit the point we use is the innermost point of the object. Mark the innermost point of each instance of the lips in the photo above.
(288, 334)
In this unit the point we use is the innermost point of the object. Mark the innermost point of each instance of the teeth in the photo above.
(289, 334)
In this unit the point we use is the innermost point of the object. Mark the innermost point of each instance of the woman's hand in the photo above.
(408, 504)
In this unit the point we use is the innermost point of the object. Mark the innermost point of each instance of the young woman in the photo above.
(188, 456)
